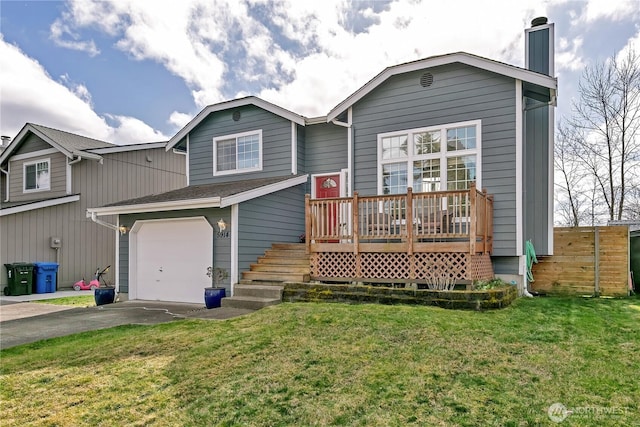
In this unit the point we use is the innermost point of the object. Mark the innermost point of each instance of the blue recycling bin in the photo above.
(45, 273)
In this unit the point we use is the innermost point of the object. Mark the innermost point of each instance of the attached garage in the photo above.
(168, 259)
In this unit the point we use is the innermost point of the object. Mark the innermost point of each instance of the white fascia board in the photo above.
(316, 120)
(39, 205)
(22, 134)
(262, 191)
(459, 57)
(227, 105)
(519, 169)
(175, 205)
(125, 148)
(32, 154)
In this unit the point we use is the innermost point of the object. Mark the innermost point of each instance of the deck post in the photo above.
(409, 221)
(474, 217)
(307, 224)
(485, 214)
(355, 226)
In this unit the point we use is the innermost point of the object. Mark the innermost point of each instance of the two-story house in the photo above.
(394, 174)
(48, 179)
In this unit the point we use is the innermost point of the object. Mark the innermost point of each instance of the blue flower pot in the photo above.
(213, 297)
(104, 295)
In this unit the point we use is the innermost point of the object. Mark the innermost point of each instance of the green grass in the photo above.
(334, 364)
(81, 300)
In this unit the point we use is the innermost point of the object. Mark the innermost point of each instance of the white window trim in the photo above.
(24, 175)
(442, 155)
(236, 136)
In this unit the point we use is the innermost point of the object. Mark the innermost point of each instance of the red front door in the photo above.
(328, 187)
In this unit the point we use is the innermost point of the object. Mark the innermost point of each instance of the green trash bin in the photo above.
(20, 278)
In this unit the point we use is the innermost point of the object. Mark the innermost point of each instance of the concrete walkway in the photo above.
(22, 321)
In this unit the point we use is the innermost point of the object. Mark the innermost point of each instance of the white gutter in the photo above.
(121, 229)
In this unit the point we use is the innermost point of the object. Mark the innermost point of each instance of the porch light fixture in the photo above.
(222, 225)
(123, 229)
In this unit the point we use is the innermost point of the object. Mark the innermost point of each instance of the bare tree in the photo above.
(570, 194)
(603, 138)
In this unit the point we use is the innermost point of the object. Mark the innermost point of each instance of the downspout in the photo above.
(6, 197)
(349, 150)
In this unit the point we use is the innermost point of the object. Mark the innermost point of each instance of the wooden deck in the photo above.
(412, 237)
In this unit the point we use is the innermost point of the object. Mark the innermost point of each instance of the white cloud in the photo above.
(179, 120)
(568, 55)
(60, 34)
(594, 10)
(299, 51)
(130, 130)
(29, 94)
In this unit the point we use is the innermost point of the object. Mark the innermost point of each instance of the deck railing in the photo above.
(442, 221)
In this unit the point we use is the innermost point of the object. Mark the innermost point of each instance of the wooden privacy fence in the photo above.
(585, 261)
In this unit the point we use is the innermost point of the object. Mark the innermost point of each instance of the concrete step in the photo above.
(251, 303)
(274, 277)
(260, 291)
(256, 282)
(285, 261)
(287, 269)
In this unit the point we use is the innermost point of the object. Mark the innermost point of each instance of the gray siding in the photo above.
(539, 51)
(326, 148)
(57, 178)
(276, 144)
(86, 245)
(301, 134)
(536, 179)
(505, 265)
(459, 93)
(276, 217)
(32, 143)
(221, 245)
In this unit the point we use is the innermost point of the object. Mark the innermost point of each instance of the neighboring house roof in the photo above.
(218, 195)
(226, 105)
(70, 144)
(9, 208)
(525, 75)
(73, 145)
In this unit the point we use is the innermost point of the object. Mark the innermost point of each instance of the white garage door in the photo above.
(170, 259)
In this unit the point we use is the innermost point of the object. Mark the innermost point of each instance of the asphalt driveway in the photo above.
(26, 322)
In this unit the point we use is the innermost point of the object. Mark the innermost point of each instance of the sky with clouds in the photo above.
(129, 71)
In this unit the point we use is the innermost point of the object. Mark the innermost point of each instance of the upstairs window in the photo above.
(237, 153)
(436, 158)
(36, 175)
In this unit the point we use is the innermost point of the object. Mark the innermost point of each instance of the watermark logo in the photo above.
(558, 412)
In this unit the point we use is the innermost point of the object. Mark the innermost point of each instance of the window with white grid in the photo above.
(445, 157)
(237, 153)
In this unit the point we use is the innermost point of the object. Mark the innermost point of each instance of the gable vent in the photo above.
(426, 80)
(236, 115)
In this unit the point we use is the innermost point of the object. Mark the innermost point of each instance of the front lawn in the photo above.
(79, 301)
(334, 364)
